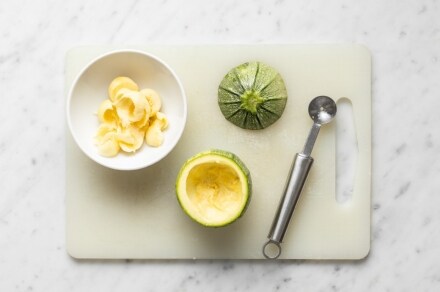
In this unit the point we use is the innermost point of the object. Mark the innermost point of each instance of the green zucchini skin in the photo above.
(252, 96)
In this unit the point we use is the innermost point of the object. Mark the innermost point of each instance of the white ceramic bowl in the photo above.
(90, 89)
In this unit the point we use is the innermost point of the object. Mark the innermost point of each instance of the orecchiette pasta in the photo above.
(106, 114)
(128, 118)
(153, 99)
(154, 135)
(131, 107)
(107, 141)
(130, 138)
(118, 83)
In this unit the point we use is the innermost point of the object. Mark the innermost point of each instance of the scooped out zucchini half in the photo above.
(214, 188)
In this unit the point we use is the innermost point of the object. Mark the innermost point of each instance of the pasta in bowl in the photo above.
(126, 110)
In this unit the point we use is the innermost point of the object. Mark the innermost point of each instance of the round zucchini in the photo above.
(252, 96)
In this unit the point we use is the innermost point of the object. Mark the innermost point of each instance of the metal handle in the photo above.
(292, 190)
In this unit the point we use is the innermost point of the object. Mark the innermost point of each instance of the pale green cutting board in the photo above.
(116, 214)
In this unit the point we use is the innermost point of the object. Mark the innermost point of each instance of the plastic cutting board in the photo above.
(135, 215)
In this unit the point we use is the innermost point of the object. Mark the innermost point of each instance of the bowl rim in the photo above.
(105, 55)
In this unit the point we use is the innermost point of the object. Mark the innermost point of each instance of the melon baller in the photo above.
(322, 110)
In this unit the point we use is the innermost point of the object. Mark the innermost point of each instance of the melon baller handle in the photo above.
(296, 179)
(322, 110)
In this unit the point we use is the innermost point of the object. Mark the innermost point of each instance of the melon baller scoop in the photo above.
(322, 110)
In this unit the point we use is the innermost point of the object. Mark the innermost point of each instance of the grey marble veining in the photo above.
(404, 38)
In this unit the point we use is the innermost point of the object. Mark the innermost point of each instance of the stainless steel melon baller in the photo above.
(322, 110)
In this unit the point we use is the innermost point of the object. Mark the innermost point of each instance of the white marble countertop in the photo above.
(404, 39)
